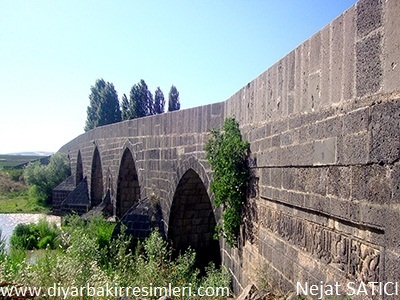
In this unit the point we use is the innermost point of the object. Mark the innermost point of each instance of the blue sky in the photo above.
(52, 52)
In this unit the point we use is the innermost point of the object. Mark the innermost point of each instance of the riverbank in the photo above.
(15, 196)
(8, 221)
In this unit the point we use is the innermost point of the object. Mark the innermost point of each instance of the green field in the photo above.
(14, 193)
(16, 161)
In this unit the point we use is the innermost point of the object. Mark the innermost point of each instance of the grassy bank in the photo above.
(15, 195)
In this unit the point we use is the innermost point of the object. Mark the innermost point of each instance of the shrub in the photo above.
(34, 236)
(227, 154)
(81, 261)
(46, 177)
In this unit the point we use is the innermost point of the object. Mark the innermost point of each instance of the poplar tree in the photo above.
(140, 100)
(173, 99)
(104, 105)
(159, 101)
(125, 108)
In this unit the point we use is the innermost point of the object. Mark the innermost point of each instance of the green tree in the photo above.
(104, 105)
(159, 101)
(141, 100)
(173, 99)
(125, 108)
(44, 178)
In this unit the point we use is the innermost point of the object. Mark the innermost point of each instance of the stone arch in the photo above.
(79, 169)
(192, 220)
(96, 185)
(128, 188)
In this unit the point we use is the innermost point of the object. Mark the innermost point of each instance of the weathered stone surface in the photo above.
(369, 16)
(385, 129)
(369, 71)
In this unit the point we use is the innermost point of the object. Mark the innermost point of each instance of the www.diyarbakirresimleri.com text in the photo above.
(114, 290)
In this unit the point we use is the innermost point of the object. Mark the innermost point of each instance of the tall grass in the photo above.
(88, 255)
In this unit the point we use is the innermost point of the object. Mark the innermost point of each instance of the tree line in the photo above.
(105, 107)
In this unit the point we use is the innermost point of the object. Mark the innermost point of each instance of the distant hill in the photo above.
(20, 160)
(32, 153)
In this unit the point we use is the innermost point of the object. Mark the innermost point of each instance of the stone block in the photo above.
(326, 66)
(304, 80)
(265, 176)
(295, 122)
(369, 71)
(355, 149)
(392, 47)
(369, 16)
(392, 262)
(298, 79)
(337, 59)
(290, 104)
(339, 179)
(315, 180)
(348, 81)
(356, 121)
(314, 92)
(276, 177)
(315, 52)
(311, 132)
(385, 129)
(296, 199)
(296, 155)
(290, 73)
(332, 127)
(288, 178)
(324, 152)
(286, 138)
(396, 183)
(373, 215)
(339, 208)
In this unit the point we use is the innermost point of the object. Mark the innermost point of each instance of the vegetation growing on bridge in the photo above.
(227, 155)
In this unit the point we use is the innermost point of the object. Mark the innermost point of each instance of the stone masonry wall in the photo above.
(324, 131)
(324, 128)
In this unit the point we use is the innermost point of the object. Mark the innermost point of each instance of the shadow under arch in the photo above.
(128, 189)
(192, 220)
(79, 169)
(96, 184)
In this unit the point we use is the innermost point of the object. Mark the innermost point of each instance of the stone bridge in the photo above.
(324, 128)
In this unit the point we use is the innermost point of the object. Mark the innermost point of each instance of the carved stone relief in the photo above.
(348, 254)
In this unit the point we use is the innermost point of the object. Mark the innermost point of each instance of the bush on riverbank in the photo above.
(35, 236)
(44, 178)
(88, 256)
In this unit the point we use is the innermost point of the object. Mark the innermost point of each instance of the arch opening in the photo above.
(79, 169)
(96, 186)
(192, 221)
(128, 189)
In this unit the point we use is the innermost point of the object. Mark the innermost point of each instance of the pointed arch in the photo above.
(79, 169)
(192, 221)
(128, 189)
(96, 186)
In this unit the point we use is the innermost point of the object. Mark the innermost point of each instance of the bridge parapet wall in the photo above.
(324, 128)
